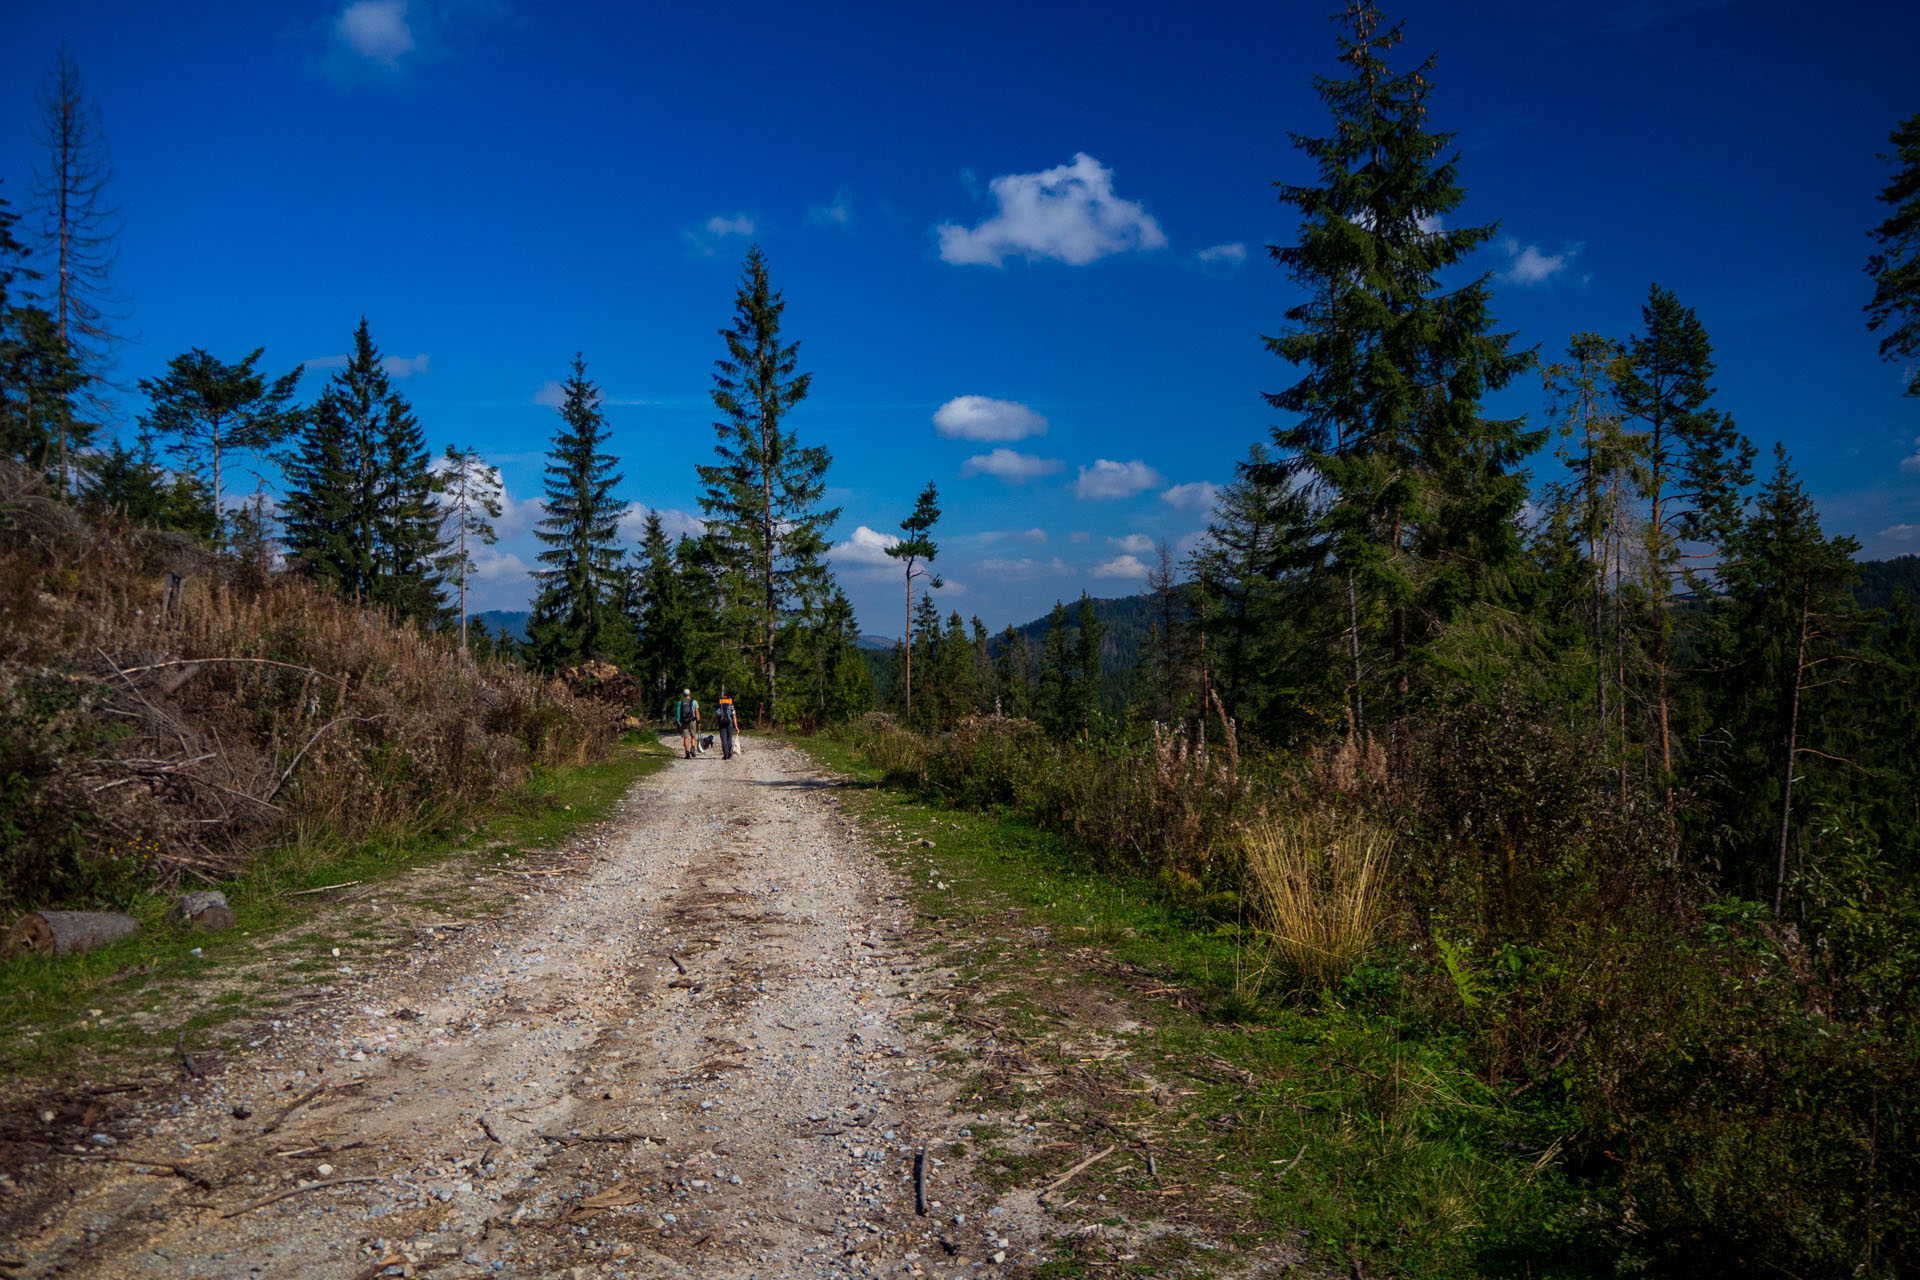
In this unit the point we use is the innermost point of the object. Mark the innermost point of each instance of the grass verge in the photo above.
(121, 1008)
(1088, 1011)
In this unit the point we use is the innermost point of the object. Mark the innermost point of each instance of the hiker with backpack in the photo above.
(688, 716)
(723, 716)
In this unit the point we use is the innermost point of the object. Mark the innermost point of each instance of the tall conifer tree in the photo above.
(1895, 264)
(917, 549)
(213, 410)
(763, 496)
(1415, 493)
(576, 614)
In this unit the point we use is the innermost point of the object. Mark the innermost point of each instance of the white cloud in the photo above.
(376, 30)
(867, 548)
(1226, 255)
(1528, 266)
(1912, 462)
(984, 418)
(1190, 543)
(491, 564)
(1037, 536)
(1068, 213)
(396, 366)
(1430, 223)
(1120, 567)
(1197, 495)
(708, 239)
(1010, 466)
(551, 394)
(837, 214)
(676, 523)
(1137, 543)
(1024, 569)
(518, 515)
(1900, 533)
(1108, 479)
(1079, 535)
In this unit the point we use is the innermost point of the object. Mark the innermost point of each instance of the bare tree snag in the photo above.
(205, 910)
(67, 933)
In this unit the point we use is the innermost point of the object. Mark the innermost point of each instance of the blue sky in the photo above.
(1022, 245)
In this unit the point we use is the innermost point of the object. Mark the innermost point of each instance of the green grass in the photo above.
(143, 987)
(1329, 1124)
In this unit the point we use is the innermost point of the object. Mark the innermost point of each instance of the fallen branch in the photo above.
(291, 1191)
(298, 755)
(487, 1129)
(177, 1170)
(570, 1139)
(676, 962)
(1074, 1172)
(344, 884)
(292, 1107)
(920, 1182)
(186, 1059)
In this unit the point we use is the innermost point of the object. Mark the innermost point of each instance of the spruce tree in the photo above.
(1089, 634)
(212, 410)
(665, 627)
(1895, 264)
(1786, 634)
(1414, 492)
(576, 613)
(1053, 686)
(1012, 679)
(1692, 464)
(917, 549)
(359, 511)
(763, 496)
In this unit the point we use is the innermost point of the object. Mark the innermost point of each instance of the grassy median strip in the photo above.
(1087, 1010)
(125, 1007)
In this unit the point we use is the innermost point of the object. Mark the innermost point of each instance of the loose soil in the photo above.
(693, 1048)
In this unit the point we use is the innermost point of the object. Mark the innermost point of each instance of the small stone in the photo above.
(999, 1255)
(324, 1170)
(734, 1180)
(242, 1111)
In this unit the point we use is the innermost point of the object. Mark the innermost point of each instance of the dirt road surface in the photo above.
(693, 1056)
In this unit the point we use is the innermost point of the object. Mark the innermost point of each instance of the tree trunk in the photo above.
(1353, 643)
(1793, 736)
(67, 933)
(909, 635)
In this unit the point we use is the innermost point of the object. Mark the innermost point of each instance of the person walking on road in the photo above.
(723, 716)
(688, 714)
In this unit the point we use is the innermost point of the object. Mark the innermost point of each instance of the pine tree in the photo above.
(359, 509)
(470, 492)
(1088, 636)
(79, 228)
(575, 615)
(39, 381)
(917, 548)
(666, 629)
(1053, 687)
(131, 484)
(1693, 464)
(1895, 265)
(1012, 682)
(211, 410)
(763, 496)
(1787, 633)
(1414, 492)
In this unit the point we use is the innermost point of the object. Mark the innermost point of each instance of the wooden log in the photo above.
(67, 933)
(205, 910)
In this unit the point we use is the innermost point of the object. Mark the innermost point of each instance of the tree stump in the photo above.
(205, 910)
(67, 933)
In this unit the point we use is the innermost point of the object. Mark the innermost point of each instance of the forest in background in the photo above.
(1607, 780)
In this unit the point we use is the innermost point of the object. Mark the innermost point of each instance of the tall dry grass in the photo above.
(166, 713)
(1316, 883)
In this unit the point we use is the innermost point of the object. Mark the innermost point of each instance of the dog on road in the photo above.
(706, 742)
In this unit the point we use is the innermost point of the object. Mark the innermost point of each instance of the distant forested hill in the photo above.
(1880, 579)
(515, 621)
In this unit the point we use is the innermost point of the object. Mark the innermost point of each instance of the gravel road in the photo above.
(694, 1054)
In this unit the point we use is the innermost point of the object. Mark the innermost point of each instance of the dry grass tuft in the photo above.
(1316, 883)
